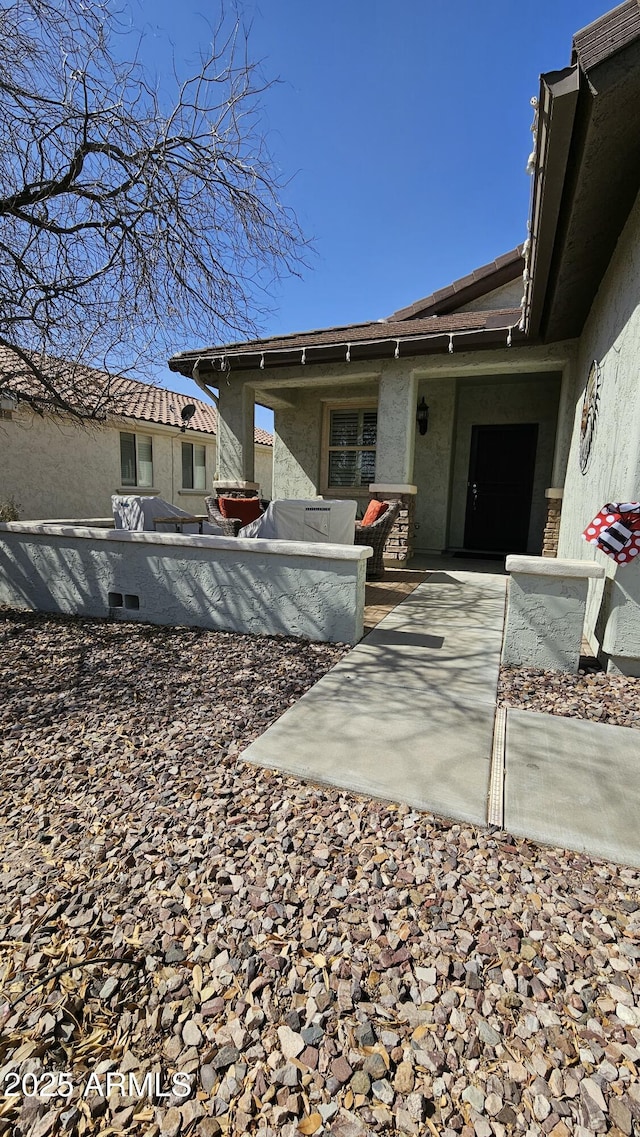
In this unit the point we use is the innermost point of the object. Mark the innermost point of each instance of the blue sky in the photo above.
(404, 131)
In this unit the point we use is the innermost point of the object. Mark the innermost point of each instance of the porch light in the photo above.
(422, 416)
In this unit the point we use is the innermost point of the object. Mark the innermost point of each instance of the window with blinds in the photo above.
(136, 460)
(193, 467)
(352, 447)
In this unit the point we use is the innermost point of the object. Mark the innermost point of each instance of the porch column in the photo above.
(235, 437)
(564, 429)
(397, 401)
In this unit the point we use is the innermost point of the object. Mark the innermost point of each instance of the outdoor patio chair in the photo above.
(376, 535)
(231, 525)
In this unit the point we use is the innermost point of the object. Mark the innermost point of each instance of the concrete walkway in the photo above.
(573, 783)
(408, 715)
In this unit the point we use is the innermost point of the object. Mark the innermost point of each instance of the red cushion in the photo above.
(375, 509)
(246, 509)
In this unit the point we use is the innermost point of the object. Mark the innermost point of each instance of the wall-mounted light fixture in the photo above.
(422, 416)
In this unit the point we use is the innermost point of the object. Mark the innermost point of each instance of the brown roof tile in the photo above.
(607, 35)
(131, 397)
(360, 334)
(475, 284)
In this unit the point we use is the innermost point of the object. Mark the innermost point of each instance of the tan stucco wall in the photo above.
(56, 469)
(299, 394)
(53, 468)
(296, 448)
(442, 456)
(263, 469)
(432, 465)
(507, 296)
(298, 439)
(612, 337)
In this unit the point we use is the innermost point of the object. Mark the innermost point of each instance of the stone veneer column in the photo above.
(552, 527)
(235, 436)
(397, 401)
(399, 545)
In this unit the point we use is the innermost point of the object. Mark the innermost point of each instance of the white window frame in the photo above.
(193, 488)
(346, 405)
(137, 439)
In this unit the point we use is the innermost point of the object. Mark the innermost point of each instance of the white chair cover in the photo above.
(133, 512)
(332, 522)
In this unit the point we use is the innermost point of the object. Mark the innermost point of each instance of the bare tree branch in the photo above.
(124, 225)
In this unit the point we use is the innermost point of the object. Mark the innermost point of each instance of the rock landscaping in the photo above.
(591, 694)
(195, 946)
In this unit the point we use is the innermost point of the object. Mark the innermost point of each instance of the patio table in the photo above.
(187, 519)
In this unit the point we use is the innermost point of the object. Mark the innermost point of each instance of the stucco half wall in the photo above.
(291, 588)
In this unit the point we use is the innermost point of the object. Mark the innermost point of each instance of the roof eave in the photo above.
(475, 339)
(587, 177)
(557, 104)
(468, 288)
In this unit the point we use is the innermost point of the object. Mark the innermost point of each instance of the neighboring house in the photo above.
(54, 466)
(504, 375)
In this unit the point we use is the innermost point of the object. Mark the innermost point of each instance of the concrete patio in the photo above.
(410, 715)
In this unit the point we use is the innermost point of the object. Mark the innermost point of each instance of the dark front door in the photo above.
(499, 487)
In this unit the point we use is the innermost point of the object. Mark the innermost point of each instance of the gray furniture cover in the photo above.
(316, 520)
(137, 512)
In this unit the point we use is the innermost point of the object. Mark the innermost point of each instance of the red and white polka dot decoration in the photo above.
(629, 519)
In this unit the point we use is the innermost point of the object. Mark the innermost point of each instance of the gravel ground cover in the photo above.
(591, 694)
(195, 946)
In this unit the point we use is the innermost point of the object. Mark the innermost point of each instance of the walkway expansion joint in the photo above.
(495, 809)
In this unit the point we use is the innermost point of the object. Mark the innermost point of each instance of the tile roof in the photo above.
(477, 283)
(131, 397)
(362, 335)
(149, 403)
(607, 35)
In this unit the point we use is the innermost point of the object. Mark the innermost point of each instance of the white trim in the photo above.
(223, 358)
(256, 545)
(152, 427)
(234, 484)
(328, 405)
(551, 566)
(390, 487)
(140, 491)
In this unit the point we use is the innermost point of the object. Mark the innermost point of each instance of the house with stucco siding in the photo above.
(52, 465)
(526, 370)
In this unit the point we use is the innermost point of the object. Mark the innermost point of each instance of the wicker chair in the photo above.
(376, 535)
(230, 526)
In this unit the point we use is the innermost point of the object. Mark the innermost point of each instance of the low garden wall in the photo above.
(546, 603)
(225, 584)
